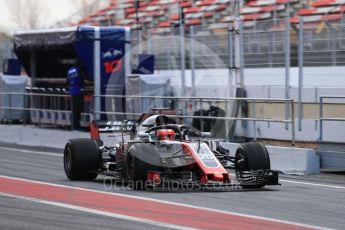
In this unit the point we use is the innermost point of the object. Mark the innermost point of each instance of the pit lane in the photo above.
(316, 200)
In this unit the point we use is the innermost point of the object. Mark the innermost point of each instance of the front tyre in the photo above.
(136, 172)
(81, 159)
(252, 156)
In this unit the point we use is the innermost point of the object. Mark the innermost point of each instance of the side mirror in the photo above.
(134, 128)
(145, 136)
(206, 135)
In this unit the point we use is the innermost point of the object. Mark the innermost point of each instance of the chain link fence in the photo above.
(265, 44)
(324, 44)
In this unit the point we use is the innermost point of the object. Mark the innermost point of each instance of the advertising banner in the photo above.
(104, 48)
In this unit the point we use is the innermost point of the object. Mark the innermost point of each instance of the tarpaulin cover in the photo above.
(54, 51)
(12, 84)
(44, 39)
(51, 51)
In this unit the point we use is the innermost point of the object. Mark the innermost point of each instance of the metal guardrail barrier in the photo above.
(322, 118)
(226, 102)
(183, 114)
(38, 104)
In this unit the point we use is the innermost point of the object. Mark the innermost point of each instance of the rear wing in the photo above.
(118, 126)
(125, 126)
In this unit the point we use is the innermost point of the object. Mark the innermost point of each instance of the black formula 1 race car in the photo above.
(161, 152)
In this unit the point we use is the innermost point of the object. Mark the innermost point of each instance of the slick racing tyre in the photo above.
(81, 159)
(136, 172)
(252, 156)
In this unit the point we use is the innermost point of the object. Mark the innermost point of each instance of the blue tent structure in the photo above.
(46, 55)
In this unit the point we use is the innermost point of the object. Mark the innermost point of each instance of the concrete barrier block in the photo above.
(289, 160)
(297, 161)
(286, 159)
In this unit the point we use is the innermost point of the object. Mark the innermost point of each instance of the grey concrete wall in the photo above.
(43, 137)
(289, 160)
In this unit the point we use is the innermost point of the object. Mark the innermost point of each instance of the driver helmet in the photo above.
(165, 134)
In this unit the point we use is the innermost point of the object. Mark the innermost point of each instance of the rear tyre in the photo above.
(252, 156)
(81, 159)
(136, 172)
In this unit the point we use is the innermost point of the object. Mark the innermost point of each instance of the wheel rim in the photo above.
(67, 160)
(240, 162)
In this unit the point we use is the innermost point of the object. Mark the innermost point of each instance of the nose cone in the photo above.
(218, 176)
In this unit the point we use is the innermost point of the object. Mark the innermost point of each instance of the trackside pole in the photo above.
(300, 70)
(287, 69)
(241, 51)
(33, 80)
(97, 72)
(235, 65)
(238, 62)
(182, 59)
(140, 37)
(149, 42)
(192, 64)
(237, 47)
(192, 59)
(230, 80)
(182, 56)
(127, 56)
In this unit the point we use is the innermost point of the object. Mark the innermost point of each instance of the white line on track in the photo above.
(312, 184)
(169, 202)
(32, 151)
(307, 183)
(282, 180)
(98, 212)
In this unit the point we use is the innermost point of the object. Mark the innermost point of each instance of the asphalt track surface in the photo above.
(309, 201)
